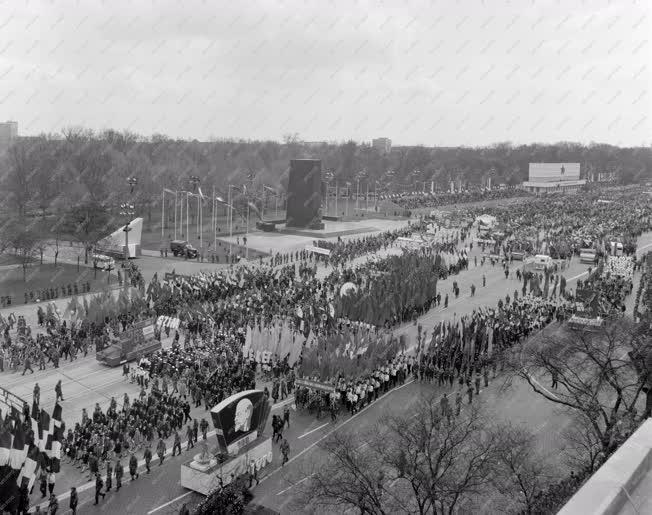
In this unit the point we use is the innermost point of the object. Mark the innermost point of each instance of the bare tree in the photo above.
(582, 449)
(521, 470)
(414, 463)
(23, 239)
(596, 376)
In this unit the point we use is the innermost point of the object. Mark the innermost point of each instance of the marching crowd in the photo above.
(430, 200)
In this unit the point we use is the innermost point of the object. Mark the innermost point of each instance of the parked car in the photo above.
(183, 249)
(102, 262)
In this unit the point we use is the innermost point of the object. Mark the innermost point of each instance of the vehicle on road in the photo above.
(103, 262)
(184, 249)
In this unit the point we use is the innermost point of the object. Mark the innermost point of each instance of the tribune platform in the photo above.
(286, 239)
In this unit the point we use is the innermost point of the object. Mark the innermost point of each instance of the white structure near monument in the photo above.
(554, 178)
(114, 245)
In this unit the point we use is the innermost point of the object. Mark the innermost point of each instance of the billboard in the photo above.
(554, 172)
(239, 419)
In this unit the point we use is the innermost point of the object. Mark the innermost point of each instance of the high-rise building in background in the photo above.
(383, 145)
(8, 133)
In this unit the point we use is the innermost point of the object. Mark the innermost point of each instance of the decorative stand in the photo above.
(202, 474)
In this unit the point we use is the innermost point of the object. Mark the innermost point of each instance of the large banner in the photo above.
(238, 416)
(587, 302)
(281, 339)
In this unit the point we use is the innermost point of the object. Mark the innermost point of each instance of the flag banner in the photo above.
(27, 474)
(56, 415)
(5, 445)
(18, 448)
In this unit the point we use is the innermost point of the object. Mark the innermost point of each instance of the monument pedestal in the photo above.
(204, 477)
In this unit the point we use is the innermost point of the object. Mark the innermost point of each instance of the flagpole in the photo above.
(163, 216)
(188, 215)
(200, 229)
(176, 206)
(367, 197)
(214, 221)
(230, 222)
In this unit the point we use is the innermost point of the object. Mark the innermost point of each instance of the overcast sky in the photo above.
(440, 72)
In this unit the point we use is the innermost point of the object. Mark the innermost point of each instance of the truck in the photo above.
(588, 256)
(136, 342)
(184, 249)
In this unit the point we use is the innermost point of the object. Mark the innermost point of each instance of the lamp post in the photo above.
(328, 177)
(194, 180)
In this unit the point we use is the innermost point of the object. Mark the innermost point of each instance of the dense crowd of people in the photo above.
(434, 200)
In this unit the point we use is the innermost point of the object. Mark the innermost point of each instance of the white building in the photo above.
(8, 133)
(383, 145)
(554, 178)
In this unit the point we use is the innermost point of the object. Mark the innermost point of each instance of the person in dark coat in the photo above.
(74, 500)
(148, 458)
(133, 466)
(98, 488)
(119, 472)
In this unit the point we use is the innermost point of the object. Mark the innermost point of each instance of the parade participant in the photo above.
(98, 488)
(160, 449)
(58, 391)
(285, 450)
(53, 505)
(109, 476)
(119, 472)
(74, 500)
(148, 457)
(133, 466)
(177, 444)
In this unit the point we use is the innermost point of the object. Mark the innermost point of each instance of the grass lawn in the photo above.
(39, 277)
(9, 259)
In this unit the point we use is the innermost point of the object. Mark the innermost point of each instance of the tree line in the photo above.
(50, 173)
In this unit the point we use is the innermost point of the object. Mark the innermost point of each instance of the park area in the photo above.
(63, 280)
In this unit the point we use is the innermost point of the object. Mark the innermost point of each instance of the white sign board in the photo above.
(318, 250)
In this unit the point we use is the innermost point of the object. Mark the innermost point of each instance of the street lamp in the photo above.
(132, 181)
(328, 177)
(360, 175)
(194, 180)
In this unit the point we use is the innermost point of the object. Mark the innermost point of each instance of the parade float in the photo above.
(136, 342)
(239, 422)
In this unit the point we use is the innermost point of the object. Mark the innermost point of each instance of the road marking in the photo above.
(311, 446)
(643, 247)
(295, 484)
(170, 502)
(577, 276)
(313, 430)
(544, 388)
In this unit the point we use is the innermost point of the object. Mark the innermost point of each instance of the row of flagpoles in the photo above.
(182, 200)
(25, 447)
